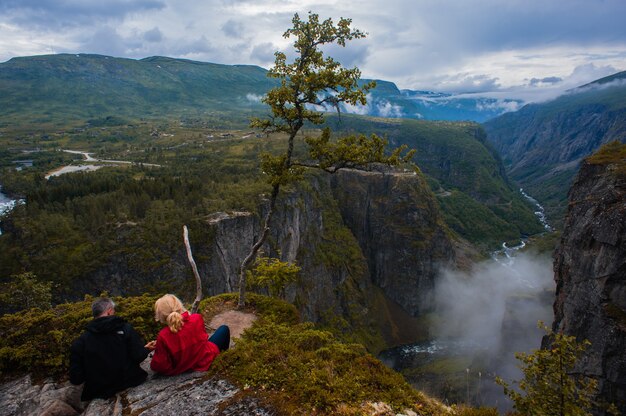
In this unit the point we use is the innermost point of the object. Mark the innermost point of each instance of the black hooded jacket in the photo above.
(106, 358)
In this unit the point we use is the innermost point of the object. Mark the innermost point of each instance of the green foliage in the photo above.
(354, 151)
(278, 171)
(269, 309)
(25, 291)
(475, 221)
(549, 386)
(311, 75)
(471, 411)
(273, 275)
(307, 371)
(463, 170)
(611, 153)
(66, 87)
(38, 340)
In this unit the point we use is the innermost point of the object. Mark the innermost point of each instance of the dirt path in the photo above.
(237, 321)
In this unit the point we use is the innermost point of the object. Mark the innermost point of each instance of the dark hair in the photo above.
(100, 306)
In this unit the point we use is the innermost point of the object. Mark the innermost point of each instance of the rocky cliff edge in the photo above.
(590, 271)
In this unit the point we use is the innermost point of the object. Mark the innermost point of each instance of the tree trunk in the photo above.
(255, 248)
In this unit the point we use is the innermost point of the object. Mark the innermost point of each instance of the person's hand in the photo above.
(151, 345)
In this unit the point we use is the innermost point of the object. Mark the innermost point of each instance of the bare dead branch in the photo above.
(196, 302)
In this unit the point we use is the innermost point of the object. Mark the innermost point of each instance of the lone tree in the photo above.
(313, 80)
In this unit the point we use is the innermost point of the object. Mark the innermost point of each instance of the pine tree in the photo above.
(549, 386)
(310, 83)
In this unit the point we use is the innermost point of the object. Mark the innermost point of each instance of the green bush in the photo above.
(38, 340)
(305, 370)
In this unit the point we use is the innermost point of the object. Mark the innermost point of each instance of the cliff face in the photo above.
(590, 272)
(397, 225)
(369, 245)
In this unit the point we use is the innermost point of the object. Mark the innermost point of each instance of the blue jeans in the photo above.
(221, 337)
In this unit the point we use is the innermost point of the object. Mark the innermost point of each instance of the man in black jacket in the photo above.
(107, 355)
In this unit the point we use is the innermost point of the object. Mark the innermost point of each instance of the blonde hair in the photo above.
(168, 309)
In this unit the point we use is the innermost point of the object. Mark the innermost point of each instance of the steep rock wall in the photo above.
(590, 272)
(397, 224)
(369, 245)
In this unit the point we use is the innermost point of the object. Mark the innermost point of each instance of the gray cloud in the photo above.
(546, 80)
(233, 28)
(153, 35)
(520, 47)
(467, 83)
(263, 53)
(61, 13)
(354, 54)
(106, 41)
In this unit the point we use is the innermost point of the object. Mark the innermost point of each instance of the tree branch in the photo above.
(196, 302)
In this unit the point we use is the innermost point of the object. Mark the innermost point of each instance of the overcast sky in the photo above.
(528, 49)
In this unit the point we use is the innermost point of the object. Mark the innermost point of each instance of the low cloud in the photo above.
(386, 109)
(473, 306)
(545, 81)
(254, 98)
(505, 106)
(466, 83)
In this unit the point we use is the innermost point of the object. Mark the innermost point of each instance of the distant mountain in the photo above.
(58, 88)
(65, 87)
(388, 101)
(542, 145)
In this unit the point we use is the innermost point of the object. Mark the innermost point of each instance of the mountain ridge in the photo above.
(56, 87)
(543, 144)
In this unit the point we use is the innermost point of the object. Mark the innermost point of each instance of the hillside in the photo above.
(61, 88)
(464, 171)
(542, 145)
(66, 87)
(279, 366)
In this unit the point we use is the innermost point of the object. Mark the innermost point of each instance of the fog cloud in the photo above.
(474, 306)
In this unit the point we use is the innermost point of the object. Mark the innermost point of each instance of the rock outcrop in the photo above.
(590, 272)
(186, 394)
(396, 222)
(370, 245)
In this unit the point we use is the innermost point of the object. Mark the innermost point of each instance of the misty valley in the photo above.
(477, 320)
(427, 251)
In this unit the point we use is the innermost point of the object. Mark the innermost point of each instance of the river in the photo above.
(6, 204)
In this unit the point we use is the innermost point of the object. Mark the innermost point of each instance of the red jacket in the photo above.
(188, 349)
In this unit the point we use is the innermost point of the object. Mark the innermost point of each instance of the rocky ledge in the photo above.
(186, 394)
(590, 272)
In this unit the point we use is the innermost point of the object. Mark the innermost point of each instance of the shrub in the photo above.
(38, 341)
(305, 370)
(549, 385)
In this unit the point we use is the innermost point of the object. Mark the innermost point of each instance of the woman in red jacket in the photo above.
(183, 345)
